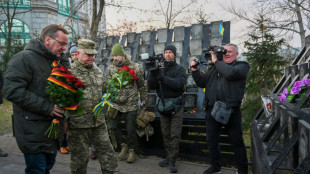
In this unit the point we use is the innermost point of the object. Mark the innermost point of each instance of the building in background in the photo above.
(33, 15)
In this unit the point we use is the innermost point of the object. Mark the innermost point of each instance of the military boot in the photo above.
(3, 154)
(122, 154)
(172, 167)
(132, 156)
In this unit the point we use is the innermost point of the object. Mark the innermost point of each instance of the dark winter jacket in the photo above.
(232, 79)
(24, 85)
(1, 85)
(173, 83)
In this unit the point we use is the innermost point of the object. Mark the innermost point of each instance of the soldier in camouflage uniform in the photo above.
(127, 103)
(86, 129)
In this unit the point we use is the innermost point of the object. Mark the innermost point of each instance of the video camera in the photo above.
(197, 62)
(153, 62)
(219, 51)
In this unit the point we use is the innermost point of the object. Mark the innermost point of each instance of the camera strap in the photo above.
(161, 88)
(161, 93)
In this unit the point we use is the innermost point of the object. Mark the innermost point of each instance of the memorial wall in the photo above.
(189, 41)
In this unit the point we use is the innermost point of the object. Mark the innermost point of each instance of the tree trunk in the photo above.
(309, 17)
(302, 31)
(169, 14)
(96, 17)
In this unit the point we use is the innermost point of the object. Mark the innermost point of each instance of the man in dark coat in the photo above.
(2, 154)
(224, 81)
(169, 82)
(1, 85)
(24, 85)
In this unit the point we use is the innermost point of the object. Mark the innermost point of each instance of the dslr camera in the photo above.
(153, 63)
(219, 51)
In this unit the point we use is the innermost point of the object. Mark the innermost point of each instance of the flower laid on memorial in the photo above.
(300, 89)
(66, 91)
(267, 104)
(123, 77)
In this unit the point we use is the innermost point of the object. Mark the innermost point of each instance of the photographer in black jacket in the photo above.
(169, 82)
(224, 81)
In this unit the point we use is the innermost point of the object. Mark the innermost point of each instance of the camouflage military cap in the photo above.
(87, 45)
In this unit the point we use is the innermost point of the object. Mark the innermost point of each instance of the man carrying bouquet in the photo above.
(24, 85)
(85, 129)
(125, 101)
(2, 153)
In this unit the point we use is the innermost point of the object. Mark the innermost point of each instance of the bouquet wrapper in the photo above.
(99, 107)
(62, 79)
(52, 131)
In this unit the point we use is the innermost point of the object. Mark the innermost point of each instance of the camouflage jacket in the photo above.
(129, 95)
(93, 79)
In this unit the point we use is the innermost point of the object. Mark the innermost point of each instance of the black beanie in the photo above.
(172, 48)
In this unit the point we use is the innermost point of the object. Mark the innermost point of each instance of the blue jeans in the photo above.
(39, 163)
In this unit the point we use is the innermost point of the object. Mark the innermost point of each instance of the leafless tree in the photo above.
(122, 28)
(9, 9)
(97, 8)
(96, 17)
(287, 17)
(201, 16)
(74, 9)
(171, 11)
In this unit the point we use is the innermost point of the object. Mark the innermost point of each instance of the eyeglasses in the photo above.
(61, 43)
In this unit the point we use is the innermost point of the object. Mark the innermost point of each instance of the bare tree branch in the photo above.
(170, 13)
(9, 9)
(283, 15)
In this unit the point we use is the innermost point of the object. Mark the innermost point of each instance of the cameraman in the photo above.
(224, 81)
(169, 82)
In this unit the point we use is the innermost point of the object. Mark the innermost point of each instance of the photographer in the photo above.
(169, 82)
(224, 81)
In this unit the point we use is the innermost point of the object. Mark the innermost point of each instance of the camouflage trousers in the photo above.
(79, 141)
(171, 128)
(130, 123)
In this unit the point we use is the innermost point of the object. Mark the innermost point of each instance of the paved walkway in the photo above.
(14, 163)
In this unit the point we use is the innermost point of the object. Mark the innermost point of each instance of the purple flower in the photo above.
(285, 92)
(300, 88)
(283, 98)
(307, 82)
(299, 84)
(295, 90)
